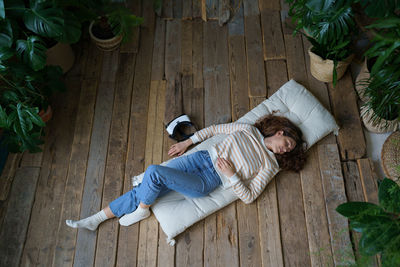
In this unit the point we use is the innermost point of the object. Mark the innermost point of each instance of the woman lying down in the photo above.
(250, 152)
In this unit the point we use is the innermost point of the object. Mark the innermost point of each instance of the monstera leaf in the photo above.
(32, 51)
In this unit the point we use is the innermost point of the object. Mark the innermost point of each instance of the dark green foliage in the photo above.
(380, 8)
(378, 224)
(383, 86)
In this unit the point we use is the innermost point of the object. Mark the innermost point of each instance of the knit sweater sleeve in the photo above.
(212, 130)
(257, 185)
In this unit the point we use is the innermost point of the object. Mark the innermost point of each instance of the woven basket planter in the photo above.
(390, 157)
(362, 77)
(105, 44)
(322, 69)
(383, 126)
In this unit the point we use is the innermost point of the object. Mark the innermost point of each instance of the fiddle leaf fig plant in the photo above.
(379, 225)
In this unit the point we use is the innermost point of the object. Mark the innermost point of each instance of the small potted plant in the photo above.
(378, 83)
(379, 225)
(328, 25)
(111, 23)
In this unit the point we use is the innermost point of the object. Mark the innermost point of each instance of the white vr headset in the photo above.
(175, 128)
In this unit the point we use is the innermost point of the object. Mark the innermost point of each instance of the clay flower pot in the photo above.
(322, 69)
(46, 115)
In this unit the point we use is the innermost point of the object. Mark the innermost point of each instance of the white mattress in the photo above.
(176, 212)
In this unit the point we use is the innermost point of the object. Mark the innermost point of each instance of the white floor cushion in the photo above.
(176, 212)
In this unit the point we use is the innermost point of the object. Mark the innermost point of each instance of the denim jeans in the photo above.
(191, 175)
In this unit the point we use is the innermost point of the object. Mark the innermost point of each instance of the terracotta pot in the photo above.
(105, 44)
(46, 115)
(322, 69)
(362, 77)
(383, 126)
(62, 55)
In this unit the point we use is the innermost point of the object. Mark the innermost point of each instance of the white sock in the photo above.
(134, 217)
(90, 223)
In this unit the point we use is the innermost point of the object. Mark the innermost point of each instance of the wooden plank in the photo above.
(368, 180)
(203, 10)
(157, 66)
(315, 213)
(268, 219)
(148, 236)
(254, 50)
(273, 44)
(129, 236)
(249, 238)
(94, 63)
(187, 9)
(223, 12)
(344, 104)
(255, 101)
(115, 166)
(93, 188)
(8, 174)
(15, 225)
(216, 75)
(178, 9)
(354, 192)
(46, 212)
(186, 46)
(197, 55)
(291, 216)
(276, 75)
(237, 62)
(167, 9)
(212, 9)
(172, 70)
(66, 237)
(295, 59)
(31, 159)
(236, 24)
(189, 247)
(334, 192)
(269, 4)
(196, 8)
(132, 45)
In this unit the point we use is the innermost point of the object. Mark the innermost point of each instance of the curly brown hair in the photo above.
(295, 159)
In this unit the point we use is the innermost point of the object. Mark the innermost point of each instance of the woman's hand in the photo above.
(179, 148)
(226, 167)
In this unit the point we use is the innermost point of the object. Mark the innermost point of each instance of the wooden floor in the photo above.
(108, 126)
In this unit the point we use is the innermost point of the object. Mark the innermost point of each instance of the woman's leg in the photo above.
(93, 221)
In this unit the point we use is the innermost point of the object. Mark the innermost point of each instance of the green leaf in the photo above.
(10, 97)
(358, 210)
(389, 196)
(32, 51)
(2, 10)
(44, 20)
(4, 123)
(6, 33)
(34, 116)
(375, 238)
(5, 53)
(21, 125)
(71, 30)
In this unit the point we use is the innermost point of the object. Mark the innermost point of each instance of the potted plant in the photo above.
(24, 94)
(379, 225)
(111, 23)
(328, 26)
(378, 83)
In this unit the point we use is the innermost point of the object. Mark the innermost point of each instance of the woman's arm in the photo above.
(249, 193)
(212, 130)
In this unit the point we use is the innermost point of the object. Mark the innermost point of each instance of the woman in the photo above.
(247, 159)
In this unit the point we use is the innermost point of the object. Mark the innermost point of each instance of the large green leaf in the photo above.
(33, 52)
(389, 196)
(2, 11)
(360, 211)
(375, 237)
(71, 30)
(5, 53)
(6, 33)
(44, 19)
(4, 122)
(34, 117)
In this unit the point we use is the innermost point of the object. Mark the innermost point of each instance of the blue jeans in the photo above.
(192, 175)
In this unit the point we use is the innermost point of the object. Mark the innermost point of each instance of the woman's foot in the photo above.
(134, 217)
(90, 223)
